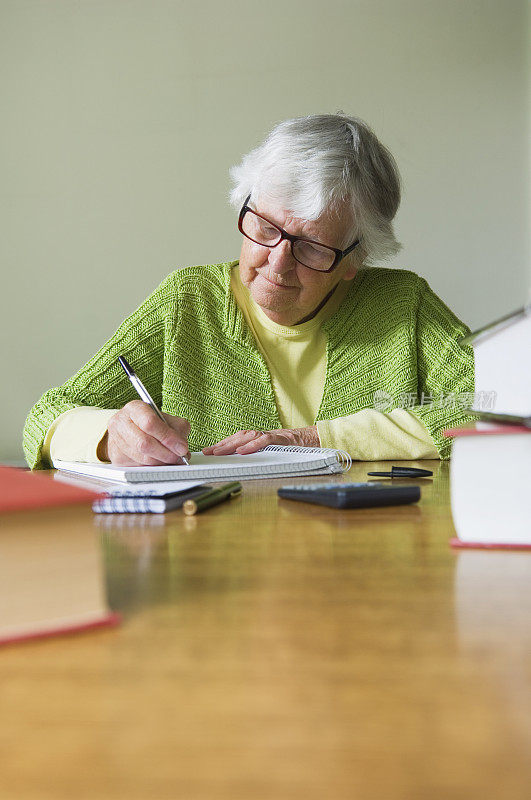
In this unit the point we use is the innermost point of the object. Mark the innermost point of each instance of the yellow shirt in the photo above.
(296, 359)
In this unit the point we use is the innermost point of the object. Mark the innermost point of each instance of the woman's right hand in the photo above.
(136, 436)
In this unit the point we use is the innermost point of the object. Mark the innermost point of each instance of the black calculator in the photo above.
(351, 495)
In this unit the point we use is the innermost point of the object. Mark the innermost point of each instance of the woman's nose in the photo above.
(281, 258)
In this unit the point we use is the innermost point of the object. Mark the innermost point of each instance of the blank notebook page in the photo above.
(273, 460)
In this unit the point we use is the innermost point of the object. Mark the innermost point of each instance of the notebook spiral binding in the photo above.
(344, 458)
(126, 502)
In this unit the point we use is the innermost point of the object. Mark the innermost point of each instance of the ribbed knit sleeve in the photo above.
(445, 369)
(101, 382)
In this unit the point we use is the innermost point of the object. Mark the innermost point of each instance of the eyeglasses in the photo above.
(308, 252)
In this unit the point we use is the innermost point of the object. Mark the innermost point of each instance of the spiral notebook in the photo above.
(143, 500)
(272, 461)
(136, 498)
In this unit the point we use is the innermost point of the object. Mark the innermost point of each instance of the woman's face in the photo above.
(286, 291)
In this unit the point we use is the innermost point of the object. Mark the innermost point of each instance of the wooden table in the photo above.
(273, 649)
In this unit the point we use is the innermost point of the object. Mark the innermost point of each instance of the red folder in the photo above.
(491, 430)
(110, 620)
(20, 489)
(456, 543)
(51, 575)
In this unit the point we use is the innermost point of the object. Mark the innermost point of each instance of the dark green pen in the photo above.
(211, 498)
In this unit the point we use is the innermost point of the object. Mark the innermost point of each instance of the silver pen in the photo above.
(143, 392)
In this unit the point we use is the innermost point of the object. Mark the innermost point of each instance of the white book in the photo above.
(502, 356)
(273, 461)
(490, 476)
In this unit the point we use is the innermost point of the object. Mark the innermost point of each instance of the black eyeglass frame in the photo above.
(339, 254)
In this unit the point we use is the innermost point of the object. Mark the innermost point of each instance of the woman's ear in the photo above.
(356, 260)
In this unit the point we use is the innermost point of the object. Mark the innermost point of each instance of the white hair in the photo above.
(320, 162)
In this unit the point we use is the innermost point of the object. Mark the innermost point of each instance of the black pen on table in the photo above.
(143, 392)
(211, 498)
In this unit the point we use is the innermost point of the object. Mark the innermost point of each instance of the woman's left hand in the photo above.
(245, 442)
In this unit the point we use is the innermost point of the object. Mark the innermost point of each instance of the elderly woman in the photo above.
(301, 341)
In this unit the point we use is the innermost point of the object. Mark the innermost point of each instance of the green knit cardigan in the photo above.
(392, 338)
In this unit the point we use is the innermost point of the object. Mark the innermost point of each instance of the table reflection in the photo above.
(493, 609)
